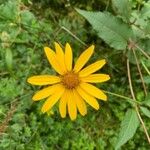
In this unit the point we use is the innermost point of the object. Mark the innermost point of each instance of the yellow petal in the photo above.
(60, 57)
(94, 91)
(44, 93)
(88, 98)
(52, 100)
(51, 56)
(96, 78)
(63, 104)
(43, 79)
(92, 68)
(72, 108)
(68, 57)
(80, 103)
(83, 58)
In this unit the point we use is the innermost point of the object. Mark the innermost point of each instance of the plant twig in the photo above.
(140, 72)
(65, 29)
(69, 32)
(107, 5)
(3, 73)
(136, 107)
(5, 122)
(142, 51)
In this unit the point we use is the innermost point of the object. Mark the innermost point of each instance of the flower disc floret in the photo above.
(70, 80)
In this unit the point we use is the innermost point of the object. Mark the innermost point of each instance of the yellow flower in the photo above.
(72, 87)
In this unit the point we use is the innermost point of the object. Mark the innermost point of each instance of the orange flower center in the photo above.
(70, 80)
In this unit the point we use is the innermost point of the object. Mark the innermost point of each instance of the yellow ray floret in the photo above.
(43, 80)
(63, 104)
(72, 109)
(51, 56)
(88, 98)
(92, 68)
(44, 93)
(83, 58)
(52, 100)
(60, 57)
(96, 78)
(93, 91)
(80, 103)
(68, 57)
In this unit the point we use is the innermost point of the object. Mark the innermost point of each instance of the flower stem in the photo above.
(140, 72)
(123, 97)
(147, 70)
(136, 106)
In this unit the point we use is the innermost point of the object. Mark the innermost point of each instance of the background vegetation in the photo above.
(120, 31)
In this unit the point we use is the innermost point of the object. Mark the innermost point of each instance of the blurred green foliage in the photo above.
(26, 26)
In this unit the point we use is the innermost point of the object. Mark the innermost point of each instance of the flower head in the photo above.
(72, 87)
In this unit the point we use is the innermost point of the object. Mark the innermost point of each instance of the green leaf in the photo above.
(16, 127)
(8, 59)
(145, 12)
(147, 29)
(146, 79)
(111, 29)
(145, 111)
(128, 127)
(147, 100)
(123, 8)
(27, 17)
(9, 10)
